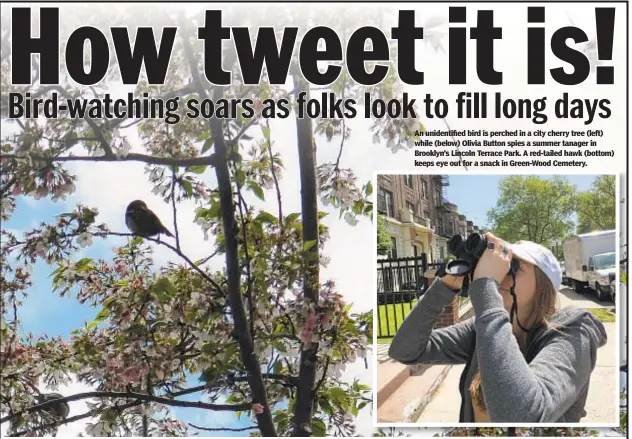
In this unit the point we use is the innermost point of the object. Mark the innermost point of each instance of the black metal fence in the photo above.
(400, 283)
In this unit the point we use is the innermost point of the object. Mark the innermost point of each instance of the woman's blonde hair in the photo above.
(544, 307)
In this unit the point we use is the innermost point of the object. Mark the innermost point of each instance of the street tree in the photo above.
(597, 207)
(384, 243)
(533, 208)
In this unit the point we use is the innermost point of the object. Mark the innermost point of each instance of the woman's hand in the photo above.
(452, 282)
(495, 262)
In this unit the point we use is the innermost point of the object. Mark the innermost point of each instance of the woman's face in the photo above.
(525, 288)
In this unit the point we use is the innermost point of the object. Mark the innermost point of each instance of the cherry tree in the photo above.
(267, 336)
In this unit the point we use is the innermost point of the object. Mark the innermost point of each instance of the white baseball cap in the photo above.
(541, 257)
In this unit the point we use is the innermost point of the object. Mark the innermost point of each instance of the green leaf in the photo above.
(266, 132)
(214, 210)
(240, 177)
(229, 352)
(266, 217)
(369, 189)
(83, 263)
(198, 169)
(309, 244)
(325, 406)
(258, 191)
(292, 217)
(163, 288)
(207, 145)
(137, 241)
(188, 187)
(338, 394)
(319, 429)
(278, 367)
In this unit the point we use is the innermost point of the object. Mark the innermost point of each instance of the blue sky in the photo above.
(476, 194)
(45, 312)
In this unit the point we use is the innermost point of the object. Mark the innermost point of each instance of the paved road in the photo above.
(588, 299)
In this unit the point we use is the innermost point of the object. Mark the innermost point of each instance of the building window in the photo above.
(411, 207)
(424, 189)
(408, 181)
(426, 215)
(393, 248)
(437, 198)
(385, 203)
(440, 231)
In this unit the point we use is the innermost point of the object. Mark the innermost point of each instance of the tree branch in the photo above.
(120, 408)
(173, 207)
(138, 396)
(252, 427)
(91, 123)
(241, 332)
(159, 242)
(309, 207)
(131, 157)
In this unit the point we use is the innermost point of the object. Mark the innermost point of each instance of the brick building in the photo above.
(420, 220)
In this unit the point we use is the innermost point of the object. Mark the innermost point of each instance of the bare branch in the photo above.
(252, 427)
(133, 395)
(174, 208)
(94, 412)
(131, 157)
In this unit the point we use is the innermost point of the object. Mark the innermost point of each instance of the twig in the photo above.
(445, 122)
(97, 130)
(252, 427)
(173, 206)
(9, 352)
(276, 180)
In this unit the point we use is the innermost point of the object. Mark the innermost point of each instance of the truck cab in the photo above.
(601, 272)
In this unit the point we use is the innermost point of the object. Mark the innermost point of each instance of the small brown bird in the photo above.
(141, 221)
(58, 410)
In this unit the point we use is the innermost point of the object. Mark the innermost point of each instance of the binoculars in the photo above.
(468, 252)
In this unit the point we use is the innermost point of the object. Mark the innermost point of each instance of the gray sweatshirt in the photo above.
(549, 383)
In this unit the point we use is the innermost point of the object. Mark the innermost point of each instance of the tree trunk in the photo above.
(309, 205)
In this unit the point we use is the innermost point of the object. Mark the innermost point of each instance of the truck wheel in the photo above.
(599, 292)
(577, 287)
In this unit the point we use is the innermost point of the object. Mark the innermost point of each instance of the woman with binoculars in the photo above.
(526, 362)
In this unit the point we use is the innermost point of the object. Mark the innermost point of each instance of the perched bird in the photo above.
(58, 409)
(141, 221)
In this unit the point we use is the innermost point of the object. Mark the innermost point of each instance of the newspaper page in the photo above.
(314, 219)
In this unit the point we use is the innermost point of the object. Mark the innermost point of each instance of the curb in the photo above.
(413, 410)
(392, 385)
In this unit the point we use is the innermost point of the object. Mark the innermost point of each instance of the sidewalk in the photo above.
(601, 405)
(587, 300)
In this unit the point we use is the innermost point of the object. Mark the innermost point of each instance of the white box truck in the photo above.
(590, 262)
